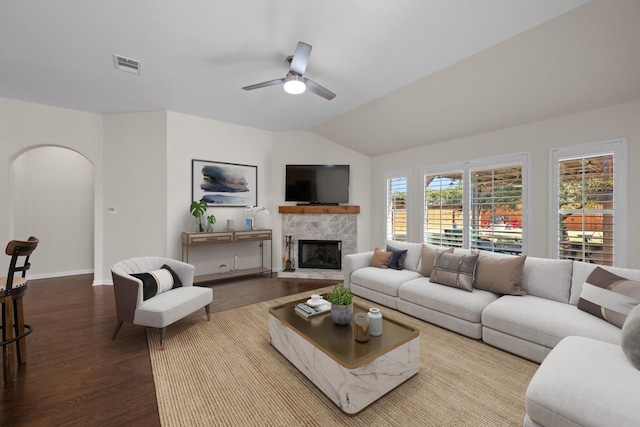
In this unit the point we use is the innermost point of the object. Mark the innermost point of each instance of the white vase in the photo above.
(375, 322)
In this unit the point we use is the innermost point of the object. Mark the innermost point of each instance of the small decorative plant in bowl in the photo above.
(341, 304)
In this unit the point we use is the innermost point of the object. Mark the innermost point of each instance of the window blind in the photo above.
(397, 208)
(586, 209)
(495, 209)
(443, 207)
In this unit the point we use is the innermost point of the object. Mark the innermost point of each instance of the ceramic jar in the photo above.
(341, 314)
(375, 322)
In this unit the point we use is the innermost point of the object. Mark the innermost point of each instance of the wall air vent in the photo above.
(126, 64)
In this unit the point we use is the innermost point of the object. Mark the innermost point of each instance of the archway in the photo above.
(52, 192)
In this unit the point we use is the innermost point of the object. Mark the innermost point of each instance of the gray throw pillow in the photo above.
(455, 270)
(630, 337)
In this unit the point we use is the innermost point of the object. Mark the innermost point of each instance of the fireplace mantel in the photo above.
(319, 209)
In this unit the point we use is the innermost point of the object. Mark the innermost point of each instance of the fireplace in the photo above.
(320, 254)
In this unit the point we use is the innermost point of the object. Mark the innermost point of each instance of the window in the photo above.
(588, 218)
(444, 213)
(396, 221)
(495, 209)
(477, 205)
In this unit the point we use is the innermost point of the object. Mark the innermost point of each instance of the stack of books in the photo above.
(307, 310)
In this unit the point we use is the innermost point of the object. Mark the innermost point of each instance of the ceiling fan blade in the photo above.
(264, 84)
(318, 90)
(300, 59)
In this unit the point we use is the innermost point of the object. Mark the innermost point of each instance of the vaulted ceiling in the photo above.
(406, 73)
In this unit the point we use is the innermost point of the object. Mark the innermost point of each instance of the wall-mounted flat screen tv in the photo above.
(317, 184)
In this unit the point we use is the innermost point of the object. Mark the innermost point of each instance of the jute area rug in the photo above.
(225, 373)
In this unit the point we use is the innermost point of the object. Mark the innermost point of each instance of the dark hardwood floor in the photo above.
(76, 376)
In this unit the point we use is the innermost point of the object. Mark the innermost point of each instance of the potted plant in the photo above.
(341, 304)
(211, 219)
(197, 209)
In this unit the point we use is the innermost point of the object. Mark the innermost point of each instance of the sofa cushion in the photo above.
(500, 275)
(544, 321)
(547, 278)
(397, 258)
(157, 281)
(630, 337)
(445, 299)
(609, 296)
(582, 270)
(456, 270)
(386, 281)
(414, 251)
(584, 382)
(429, 258)
(168, 307)
(380, 259)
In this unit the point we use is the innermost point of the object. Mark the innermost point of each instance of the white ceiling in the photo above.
(382, 58)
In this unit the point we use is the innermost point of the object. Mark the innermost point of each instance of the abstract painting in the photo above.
(224, 184)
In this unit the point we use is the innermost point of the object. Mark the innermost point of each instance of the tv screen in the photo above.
(317, 184)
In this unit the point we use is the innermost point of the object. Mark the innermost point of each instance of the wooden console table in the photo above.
(222, 237)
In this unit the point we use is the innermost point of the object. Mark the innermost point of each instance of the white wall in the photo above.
(305, 147)
(53, 200)
(538, 138)
(189, 138)
(24, 126)
(135, 184)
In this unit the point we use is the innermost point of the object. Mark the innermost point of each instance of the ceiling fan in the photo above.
(295, 82)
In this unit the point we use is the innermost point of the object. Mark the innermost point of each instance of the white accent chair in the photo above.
(162, 309)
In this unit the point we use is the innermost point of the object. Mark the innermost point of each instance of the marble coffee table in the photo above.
(352, 374)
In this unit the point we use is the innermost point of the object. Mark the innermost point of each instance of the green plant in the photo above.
(340, 295)
(211, 219)
(197, 209)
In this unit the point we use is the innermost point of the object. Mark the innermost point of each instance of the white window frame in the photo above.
(620, 188)
(395, 175)
(486, 163)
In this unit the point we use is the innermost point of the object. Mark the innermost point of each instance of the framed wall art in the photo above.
(224, 184)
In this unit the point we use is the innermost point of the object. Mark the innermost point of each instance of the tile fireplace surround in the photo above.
(319, 223)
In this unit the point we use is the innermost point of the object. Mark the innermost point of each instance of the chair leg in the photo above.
(207, 309)
(7, 348)
(18, 315)
(117, 329)
(163, 335)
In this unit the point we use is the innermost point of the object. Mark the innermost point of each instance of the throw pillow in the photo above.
(630, 337)
(177, 283)
(157, 281)
(608, 296)
(500, 275)
(455, 270)
(429, 258)
(380, 258)
(397, 258)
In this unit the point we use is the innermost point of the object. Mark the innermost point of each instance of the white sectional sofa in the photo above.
(529, 325)
(586, 381)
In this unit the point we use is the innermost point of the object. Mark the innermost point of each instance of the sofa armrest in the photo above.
(355, 262)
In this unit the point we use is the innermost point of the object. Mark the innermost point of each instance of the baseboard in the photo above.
(102, 283)
(58, 274)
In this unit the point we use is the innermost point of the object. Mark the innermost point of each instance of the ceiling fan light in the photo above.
(294, 85)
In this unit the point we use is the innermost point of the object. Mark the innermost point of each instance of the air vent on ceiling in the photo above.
(126, 64)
